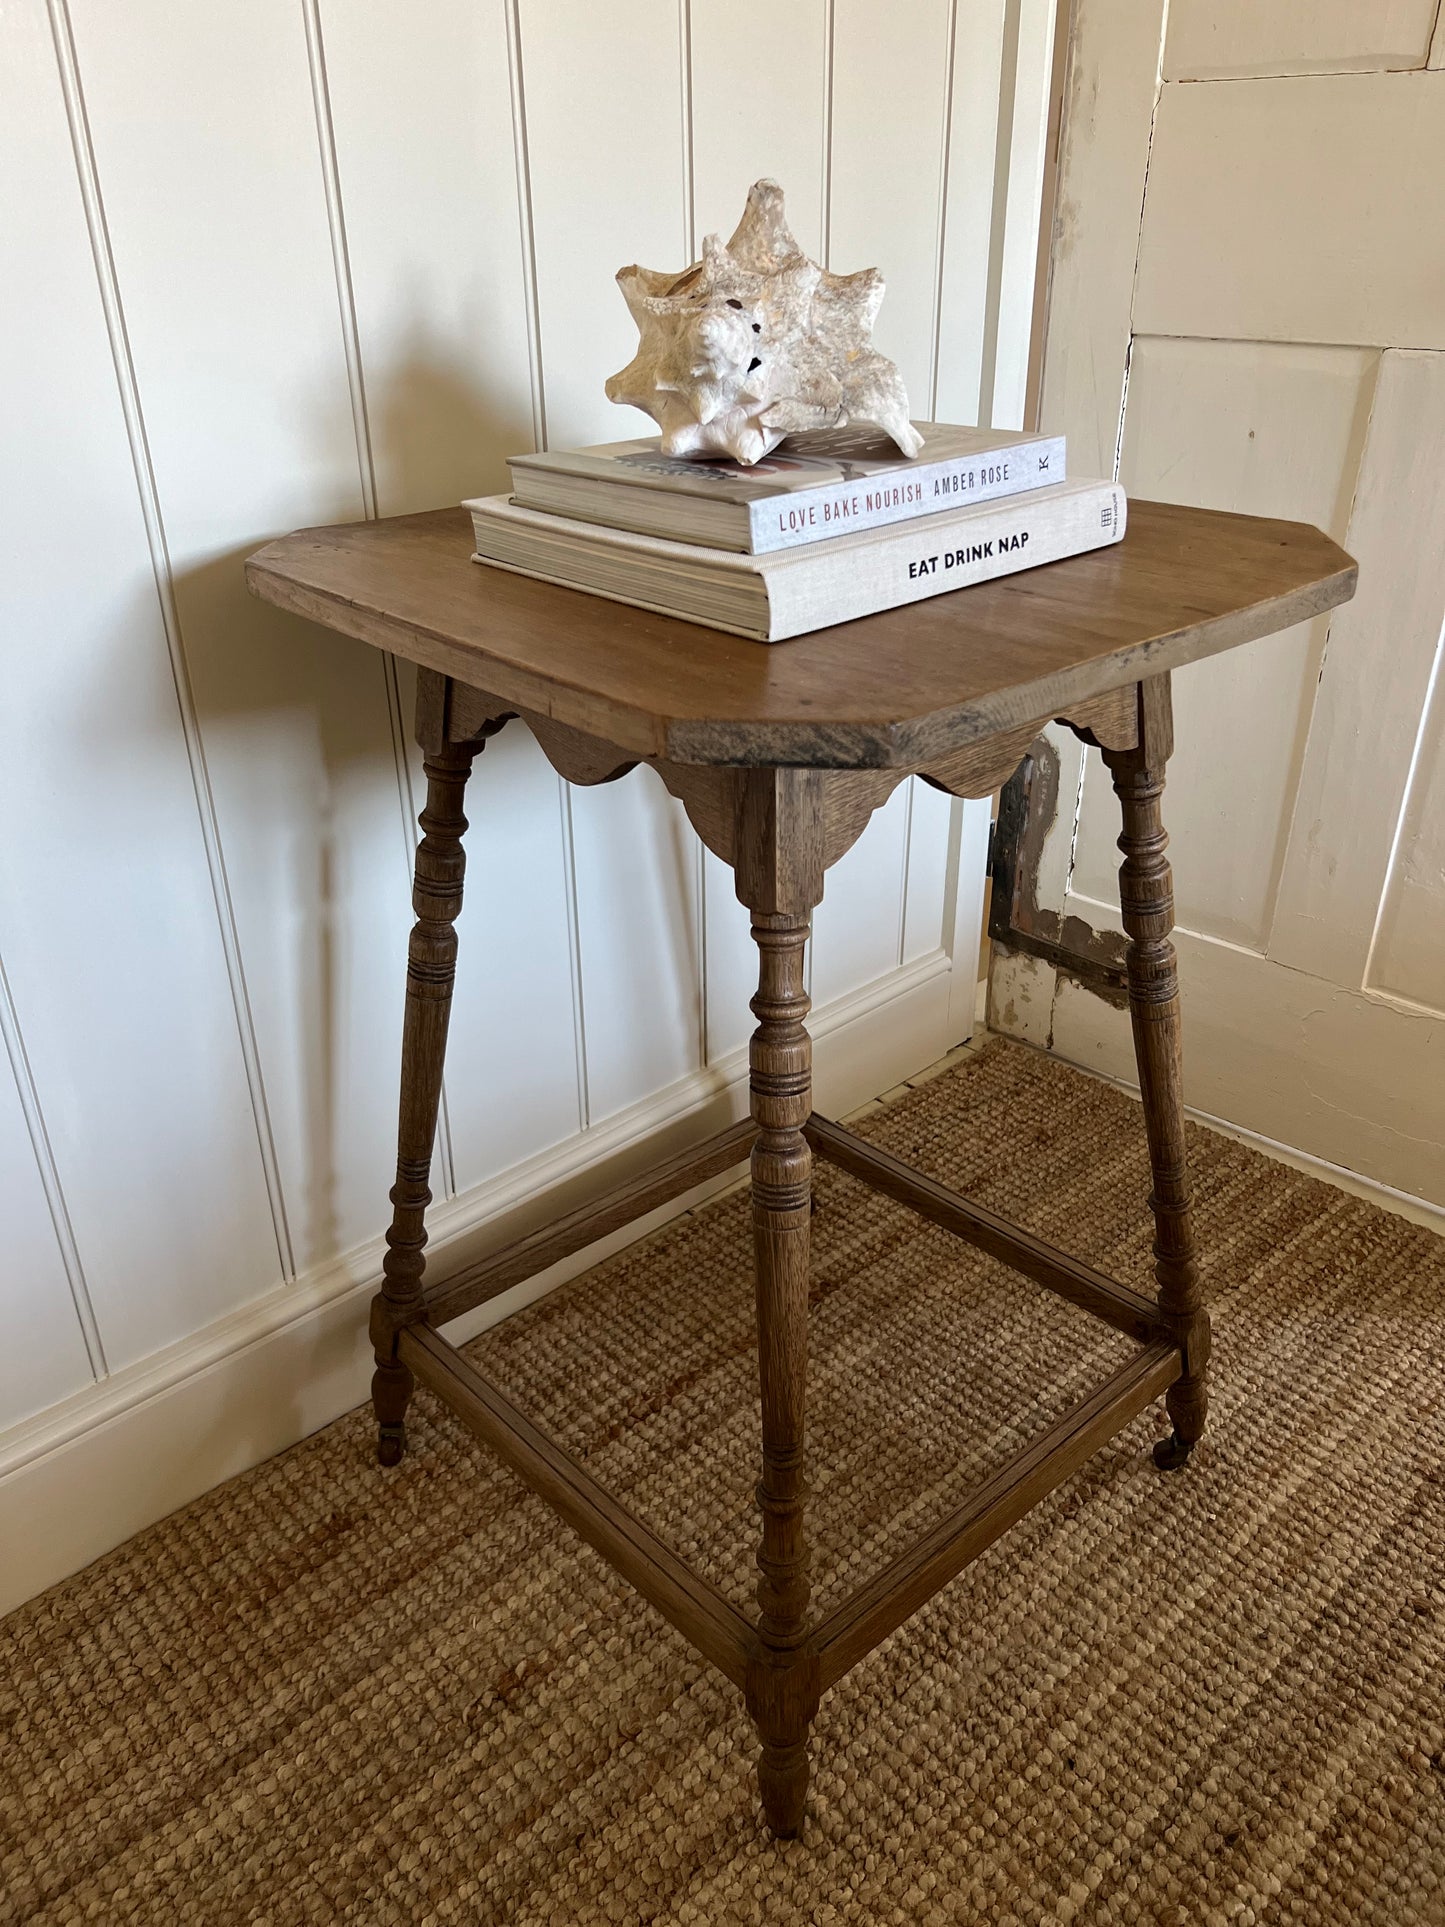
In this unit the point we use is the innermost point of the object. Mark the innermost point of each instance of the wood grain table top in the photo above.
(891, 691)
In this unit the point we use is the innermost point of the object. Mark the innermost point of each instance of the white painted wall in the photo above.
(308, 260)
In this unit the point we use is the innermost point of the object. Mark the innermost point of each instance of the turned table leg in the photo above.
(1146, 896)
(430, 969)
(780, 878)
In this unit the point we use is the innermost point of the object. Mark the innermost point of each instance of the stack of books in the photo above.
(831, 526)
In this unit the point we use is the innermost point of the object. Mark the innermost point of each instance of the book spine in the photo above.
(806, 593)
(811, 515)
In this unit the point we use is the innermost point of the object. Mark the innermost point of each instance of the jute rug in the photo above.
(327, 1694)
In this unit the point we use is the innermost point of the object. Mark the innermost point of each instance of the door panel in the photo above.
(870, 153)
(1231, 39)
(1272, 429)
(1297, 210)
(1276, 351)
(1383, 649)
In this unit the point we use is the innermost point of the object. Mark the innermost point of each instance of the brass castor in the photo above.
(1171, 1453)
(390, 1444)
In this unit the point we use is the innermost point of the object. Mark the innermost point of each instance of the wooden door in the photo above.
(1247, 310)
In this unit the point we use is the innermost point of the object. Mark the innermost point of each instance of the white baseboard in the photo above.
(89, 1472)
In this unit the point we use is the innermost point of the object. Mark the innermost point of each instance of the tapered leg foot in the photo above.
(783, 1699)
(1173, 1452)
(783, 1784)
(391, 1389)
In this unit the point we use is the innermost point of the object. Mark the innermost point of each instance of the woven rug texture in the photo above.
(326, 1693)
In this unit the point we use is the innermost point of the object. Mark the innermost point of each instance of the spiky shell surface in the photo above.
(754, 342)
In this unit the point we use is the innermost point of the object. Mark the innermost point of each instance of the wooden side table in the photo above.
(779, 756)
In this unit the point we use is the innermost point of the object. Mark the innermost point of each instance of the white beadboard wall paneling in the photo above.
(962, 314)
(512, 1074)
(108, 920)
(1339, 855)
(998, 179)
(636, 863)
(522, 172)
(312, 262)
(640, 931)
(730, 959)
(62, 35)
(754, 117)
(1020, 180)
(43, 1291)
(402, 749)
(970, 821)
(340, 252)
(421, 108)
(925, 894)
(1240, 177)
(205, 131)
(859, 923)
(751, 119)
(527, 230)
(1237, 39)
(426, 152)
(605, 144)
(93, 1469)
(885, 207)
(889, 120)
(1269, 429)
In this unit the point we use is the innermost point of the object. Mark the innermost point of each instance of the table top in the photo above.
(891, 691)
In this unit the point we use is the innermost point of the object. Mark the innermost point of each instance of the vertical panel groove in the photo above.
(340, 253)
(826, 214)
(941, 245)
(50, 1183)
(524, 219)
(88, 176)
(1008, 74)
(911, 788)
(574, 954)
(527, 227)
(365, 458)
(689, 203)
(689, 221)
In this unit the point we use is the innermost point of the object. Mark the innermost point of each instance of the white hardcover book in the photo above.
(794, 591)
(817, 485)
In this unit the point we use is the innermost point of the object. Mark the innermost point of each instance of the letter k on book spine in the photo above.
(794, 591)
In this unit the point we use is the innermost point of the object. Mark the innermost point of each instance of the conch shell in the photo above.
(755, 342)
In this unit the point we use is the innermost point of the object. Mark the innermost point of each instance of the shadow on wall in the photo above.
(437, 434)
(316, 785)
(307, 763)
